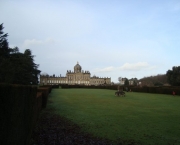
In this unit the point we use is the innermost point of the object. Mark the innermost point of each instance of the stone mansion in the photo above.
(78, 76)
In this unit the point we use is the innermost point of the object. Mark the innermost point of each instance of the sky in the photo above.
(109, 38)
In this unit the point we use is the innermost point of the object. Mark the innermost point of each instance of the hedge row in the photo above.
(16, 107)
(51, 86)
(112, 87)
(157, 90)
(45, 91)
(37, 106)
(19, 108)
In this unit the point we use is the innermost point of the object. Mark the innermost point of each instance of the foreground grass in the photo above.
(141, 117)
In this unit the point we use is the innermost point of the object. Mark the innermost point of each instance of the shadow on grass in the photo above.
(52, 129)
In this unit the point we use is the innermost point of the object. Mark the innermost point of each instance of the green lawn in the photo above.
(144, 118)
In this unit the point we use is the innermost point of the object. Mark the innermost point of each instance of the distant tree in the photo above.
(45, 74)
(173, 76)
(4, 48)
(4, 52)
(16, 67)
(33, 68)
(158, 84)
(135, 82)
(157, 80)
(126, 83)
(14, 50)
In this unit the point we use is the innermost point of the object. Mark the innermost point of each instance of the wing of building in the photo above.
(78, 76)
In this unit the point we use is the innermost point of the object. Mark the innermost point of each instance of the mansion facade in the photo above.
(76, 77)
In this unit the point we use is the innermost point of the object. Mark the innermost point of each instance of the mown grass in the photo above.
(141, 117)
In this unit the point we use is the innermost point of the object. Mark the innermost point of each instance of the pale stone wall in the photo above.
(76, 77)
(73, 79)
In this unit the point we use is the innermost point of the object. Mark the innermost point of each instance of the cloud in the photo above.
(106, 69)
(28, 43)
(134, 66)
(126, 67)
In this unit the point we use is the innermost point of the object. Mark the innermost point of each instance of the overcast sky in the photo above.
(109, 38)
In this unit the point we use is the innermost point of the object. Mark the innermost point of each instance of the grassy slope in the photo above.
(145, 118)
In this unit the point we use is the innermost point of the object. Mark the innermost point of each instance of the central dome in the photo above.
(77, 68)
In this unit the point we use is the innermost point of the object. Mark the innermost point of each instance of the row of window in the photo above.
(77, 82)
(55, 81)
(65, 82)
(97, 82)
(79, 77)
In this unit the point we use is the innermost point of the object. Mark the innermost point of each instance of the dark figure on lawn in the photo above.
(173, 93)
(120, 93)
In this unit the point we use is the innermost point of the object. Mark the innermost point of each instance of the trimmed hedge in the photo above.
(20, 107)
(55, 86)
(158, 90)
(45, 92)
(50, 87)
(47, 86)
(17, 113)
(112, 87)
(37, 106)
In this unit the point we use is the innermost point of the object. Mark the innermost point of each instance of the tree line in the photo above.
(157, 80)
(172, 77)
(16, 67)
